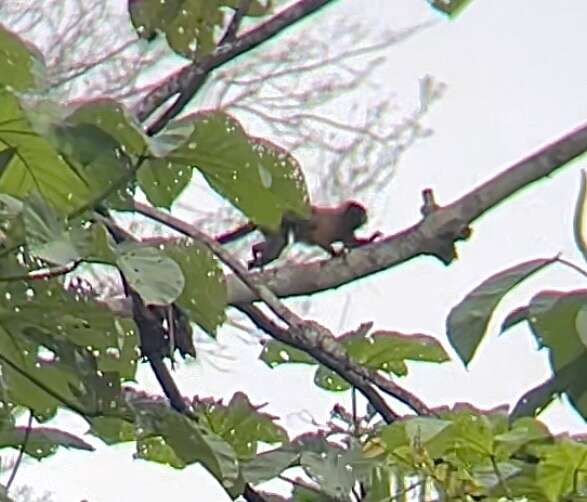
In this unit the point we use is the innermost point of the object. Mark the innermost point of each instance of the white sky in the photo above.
(516, 79)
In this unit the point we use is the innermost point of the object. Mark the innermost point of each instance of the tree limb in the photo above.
(308, 336)
(442, 224)
(189, 79)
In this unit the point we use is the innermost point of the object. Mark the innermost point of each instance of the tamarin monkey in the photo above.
(324, 227)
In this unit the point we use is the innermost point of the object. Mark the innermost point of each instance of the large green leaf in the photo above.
(37, 166)
(204, 295)
(467, 322)
(154, 276)
(388, 350)
(382, 350)
(258, 177)
(40, 442)
(269, 465)
(21, 65)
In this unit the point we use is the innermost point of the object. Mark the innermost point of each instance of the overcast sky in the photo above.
(516, 79)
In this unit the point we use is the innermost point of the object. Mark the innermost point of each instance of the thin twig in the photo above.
(235, 22)
(21, 451)
(42, 274)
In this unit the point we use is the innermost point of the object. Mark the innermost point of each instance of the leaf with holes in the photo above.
(257, 176)
(204, 295)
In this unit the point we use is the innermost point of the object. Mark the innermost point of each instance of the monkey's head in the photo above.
(355, 214)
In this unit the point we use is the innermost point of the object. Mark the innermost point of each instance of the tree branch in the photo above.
(308, 336)
(340, 367)
(189, 79)
(441, 225)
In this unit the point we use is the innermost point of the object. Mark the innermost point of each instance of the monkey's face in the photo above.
(355, 214)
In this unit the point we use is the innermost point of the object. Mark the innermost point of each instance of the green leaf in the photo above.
(275, 353)
(40, 442)
(388, 350)
(332, 470)
(190, 441)
(99, 159)
(38, 166)
(6, 157)
(46, 235)
(579, 219)
(112, 430)
(424, 429)
(561, 465)
(467, 322)
(12, 232)
(204, 295)
(515, 317)
(241, 425)
(21, 64)
(522, 432)
(103, 143)
(327, 379)
(162, 181)
(258, 177)
(559, 322)
(267, 466)
(256, 9)
(155, 277)
(99, 246)
(112, 118)
(450, 7)
(189, 25)
(4, 494)
(89, 342)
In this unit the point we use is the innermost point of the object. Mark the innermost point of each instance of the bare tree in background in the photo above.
(76, 37)
(291, 92)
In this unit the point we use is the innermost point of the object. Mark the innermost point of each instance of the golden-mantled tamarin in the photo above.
(324, 227)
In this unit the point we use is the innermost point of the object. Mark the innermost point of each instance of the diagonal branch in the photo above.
(189, 79)
(308, 336)
(441, 225)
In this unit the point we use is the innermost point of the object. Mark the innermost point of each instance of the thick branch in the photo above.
(340, 367)
(190, 78)
(309, 336)
(321, 275)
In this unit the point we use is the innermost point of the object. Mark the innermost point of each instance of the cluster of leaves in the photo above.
(556, 320)
(63, 348)
(189, 25)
